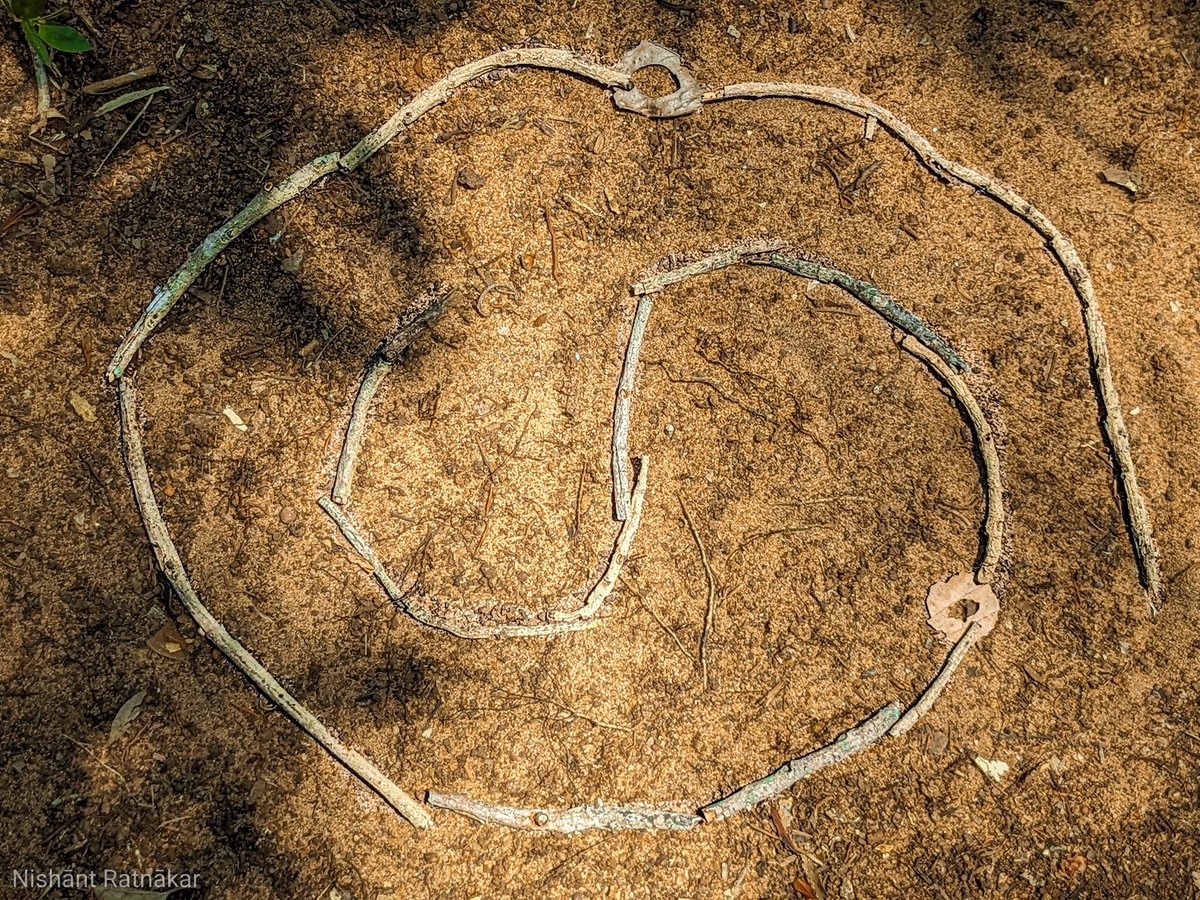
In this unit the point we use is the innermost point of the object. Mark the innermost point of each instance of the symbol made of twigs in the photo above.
(971, 590)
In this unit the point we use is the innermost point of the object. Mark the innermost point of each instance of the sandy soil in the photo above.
(829, 475)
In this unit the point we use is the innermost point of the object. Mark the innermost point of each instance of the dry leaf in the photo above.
(803, 889)
(1122, 178)
(977, 601)
(125, 716)
(234, 419)
(125, 99)
(994, 769)
(291, 265)
(79, 403)
(168, 642)
(1072, 866)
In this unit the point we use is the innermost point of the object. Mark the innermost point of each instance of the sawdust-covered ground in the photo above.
(829, 476)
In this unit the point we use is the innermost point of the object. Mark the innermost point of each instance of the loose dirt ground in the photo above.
(830, 477)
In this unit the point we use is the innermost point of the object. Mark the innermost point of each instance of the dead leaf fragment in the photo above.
(1122, 178)
(234, 419)
(1072, 866)
(994, 769)
(292, 264)
(168, 642)
(803, 889)
(125, 716)
(79, 403)
(960, 594)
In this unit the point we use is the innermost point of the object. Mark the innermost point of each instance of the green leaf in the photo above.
(38, 45)
(27, 9)
(64, 38)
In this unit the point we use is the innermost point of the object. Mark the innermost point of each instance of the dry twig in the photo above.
(172, 567)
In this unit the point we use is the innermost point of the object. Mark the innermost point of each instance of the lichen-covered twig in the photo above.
(993, 523)
(439, 93)
(1113, 419)
(925, 702)
(566, 821)
(670, 273)
(428, 307)
(172, 567)
(408, 599)
(169, 292)
(873, 297)
(781, 779)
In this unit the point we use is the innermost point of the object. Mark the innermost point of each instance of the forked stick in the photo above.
(172, 566)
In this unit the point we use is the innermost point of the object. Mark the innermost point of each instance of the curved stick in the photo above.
(172, 567)
(166, 295)
(934, 690)
(1112, 418)
(429, 306)
(843, 747)
(993, 524)
(406, 597)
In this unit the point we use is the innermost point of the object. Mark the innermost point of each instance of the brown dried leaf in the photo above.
(1122, 178)
(978, 601)
(168, 642)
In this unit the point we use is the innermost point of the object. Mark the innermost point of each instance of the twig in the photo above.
(587, 616)
(439, 93)
(1113, 419)
(667, 628)
(166, 295)
(591, 720)
(672, 273)
(621, 409)
(429, 306)
(710, 607)
(120, 81)
(566, 821)
(172, 567)
(870, 295)
(845, 746)
(113, 149)
(993, 526)
(925, 702)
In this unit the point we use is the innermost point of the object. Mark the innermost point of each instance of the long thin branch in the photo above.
(845, 746)
(566, 821)
(439, 93)
(429, 306)
(1113, 419)
(622, 406)
(925, 702)
(166, 295)
(172, 566)
(993, 524)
